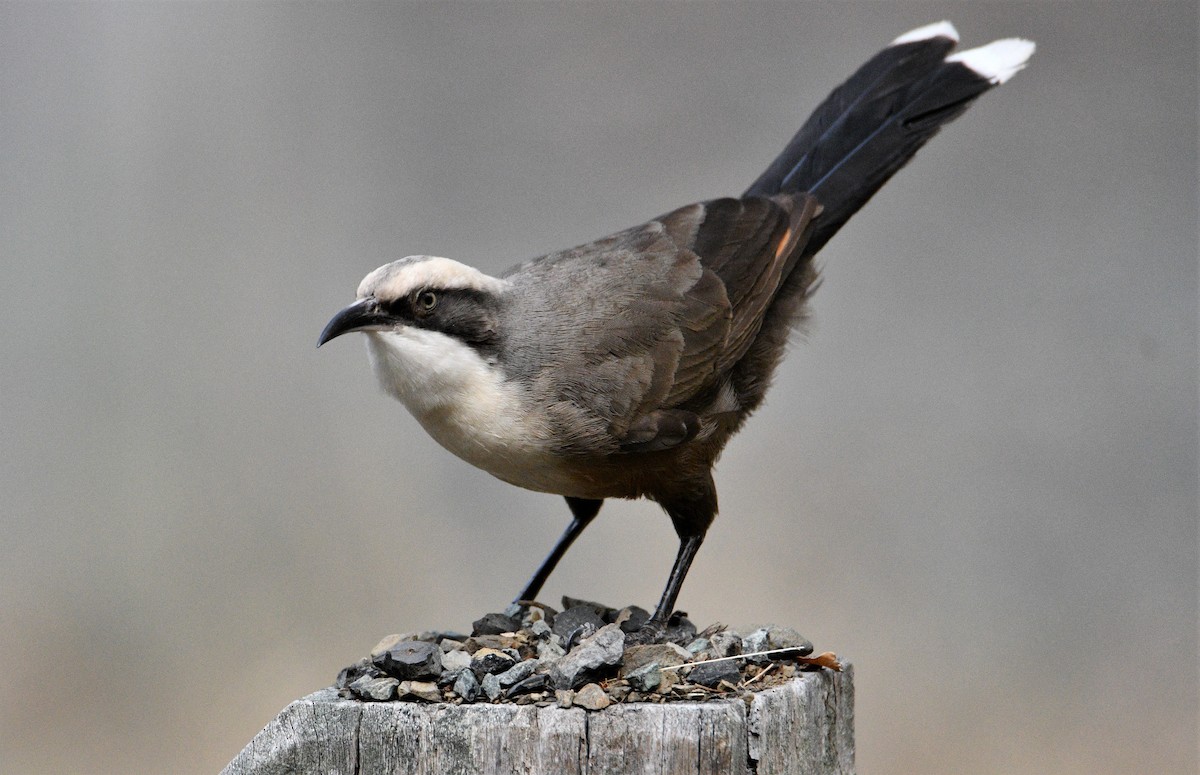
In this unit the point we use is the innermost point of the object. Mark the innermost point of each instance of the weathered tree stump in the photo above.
(805, 726)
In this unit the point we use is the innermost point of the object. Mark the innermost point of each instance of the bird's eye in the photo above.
(426, 301)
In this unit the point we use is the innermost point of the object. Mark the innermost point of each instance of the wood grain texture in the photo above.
(803, 727)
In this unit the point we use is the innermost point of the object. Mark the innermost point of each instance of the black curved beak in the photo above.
(362, 315)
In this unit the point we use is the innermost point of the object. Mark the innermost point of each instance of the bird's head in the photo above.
(427, 293)
(432, 328)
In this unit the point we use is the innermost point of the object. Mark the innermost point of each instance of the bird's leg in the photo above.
(583, 511)
(691, 516)
(688, 546)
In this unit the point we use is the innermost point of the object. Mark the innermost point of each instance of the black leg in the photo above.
(583, 512)
(688, 546)
(691, 514)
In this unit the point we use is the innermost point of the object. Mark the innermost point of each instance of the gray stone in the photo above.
(755, 640)
(712, 673)
(349, 675)
(572, 620)
(659, 654)
(726, 644)
(631, 618)
(466, 686)
(530, 685)
(517, 673)
(550, 648)
(602, 650)
(540, 629)
(413, 660)
(679, 629)
(491, 686)
(772, 637)
(607, 613)
(494, 624)
(645, 678)
(378, 689)
(455, 660)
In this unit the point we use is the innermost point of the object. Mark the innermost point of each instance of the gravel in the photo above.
(588, 656)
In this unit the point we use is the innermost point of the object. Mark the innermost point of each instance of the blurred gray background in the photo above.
(976, 477)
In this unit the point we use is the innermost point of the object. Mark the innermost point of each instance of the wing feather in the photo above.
(664, 311)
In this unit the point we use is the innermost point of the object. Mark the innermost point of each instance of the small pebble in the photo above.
(607, 613)
(669, 680)
(467, 686)
(352, 673)
(773, 637)
(497, 642)
(387, 643)
(378, 689)
(617, 692)
(712, 673)
(455, 660)
(411, 660)
(517, 673)
(494, 624)
(661, 654)
(679, 628)
(645, 678)
(573, 620)
(424, 690)
(564, 697)
(491, 686)
(632, 618)
(534, 683)
(488, 661)
(726, 644)
(550, 650)
(592, 697)
(603, 650)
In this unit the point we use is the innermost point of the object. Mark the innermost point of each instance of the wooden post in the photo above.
(804, 727)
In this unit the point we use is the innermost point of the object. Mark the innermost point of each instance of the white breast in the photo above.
(467, 406)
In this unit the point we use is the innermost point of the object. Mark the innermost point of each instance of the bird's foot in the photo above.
(673, 629)
(650, 632)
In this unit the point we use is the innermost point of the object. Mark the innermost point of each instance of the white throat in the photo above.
(463, 402)
(428, 371)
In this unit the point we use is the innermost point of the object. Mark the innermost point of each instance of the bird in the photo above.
(620, 368)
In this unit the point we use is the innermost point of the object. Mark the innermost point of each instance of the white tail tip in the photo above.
(997, 61)
(942, 29)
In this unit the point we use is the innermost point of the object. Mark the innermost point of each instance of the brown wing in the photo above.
(747, 247)
(659, 314)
